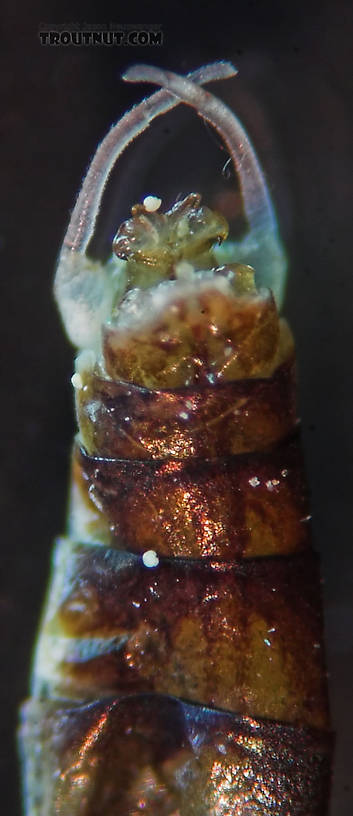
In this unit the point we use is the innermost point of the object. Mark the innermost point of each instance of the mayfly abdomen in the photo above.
(179, 669)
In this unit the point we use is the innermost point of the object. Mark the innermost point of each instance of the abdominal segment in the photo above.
(159, 755)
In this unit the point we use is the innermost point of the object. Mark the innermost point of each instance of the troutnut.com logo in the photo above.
(100, 34)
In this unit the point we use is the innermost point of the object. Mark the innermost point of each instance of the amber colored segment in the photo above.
(161, 757)
(242, 637)
(241, 506)
(122, 420)
(206, 335)
(196, 325)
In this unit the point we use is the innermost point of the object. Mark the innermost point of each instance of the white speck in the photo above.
(317, 645)
(79, 606)
(284, 472)
(228, 351)
(211, 378)
(76, 380)
(271, 630)
(93, 410)
(184, 415)
(136, 604)
(254, 481)
(306, 518)
(152, 203)
(150, 558)
(188, 404)
(268, 643)
(271, 484)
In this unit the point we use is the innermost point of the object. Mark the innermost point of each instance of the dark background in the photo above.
(293, 94)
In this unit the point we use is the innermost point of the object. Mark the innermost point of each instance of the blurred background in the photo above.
(293, 94)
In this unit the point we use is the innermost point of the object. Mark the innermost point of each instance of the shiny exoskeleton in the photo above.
(179, 669)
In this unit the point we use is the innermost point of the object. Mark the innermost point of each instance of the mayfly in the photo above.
(179, 669)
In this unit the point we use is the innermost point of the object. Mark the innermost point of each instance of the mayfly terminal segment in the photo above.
(179, 668)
